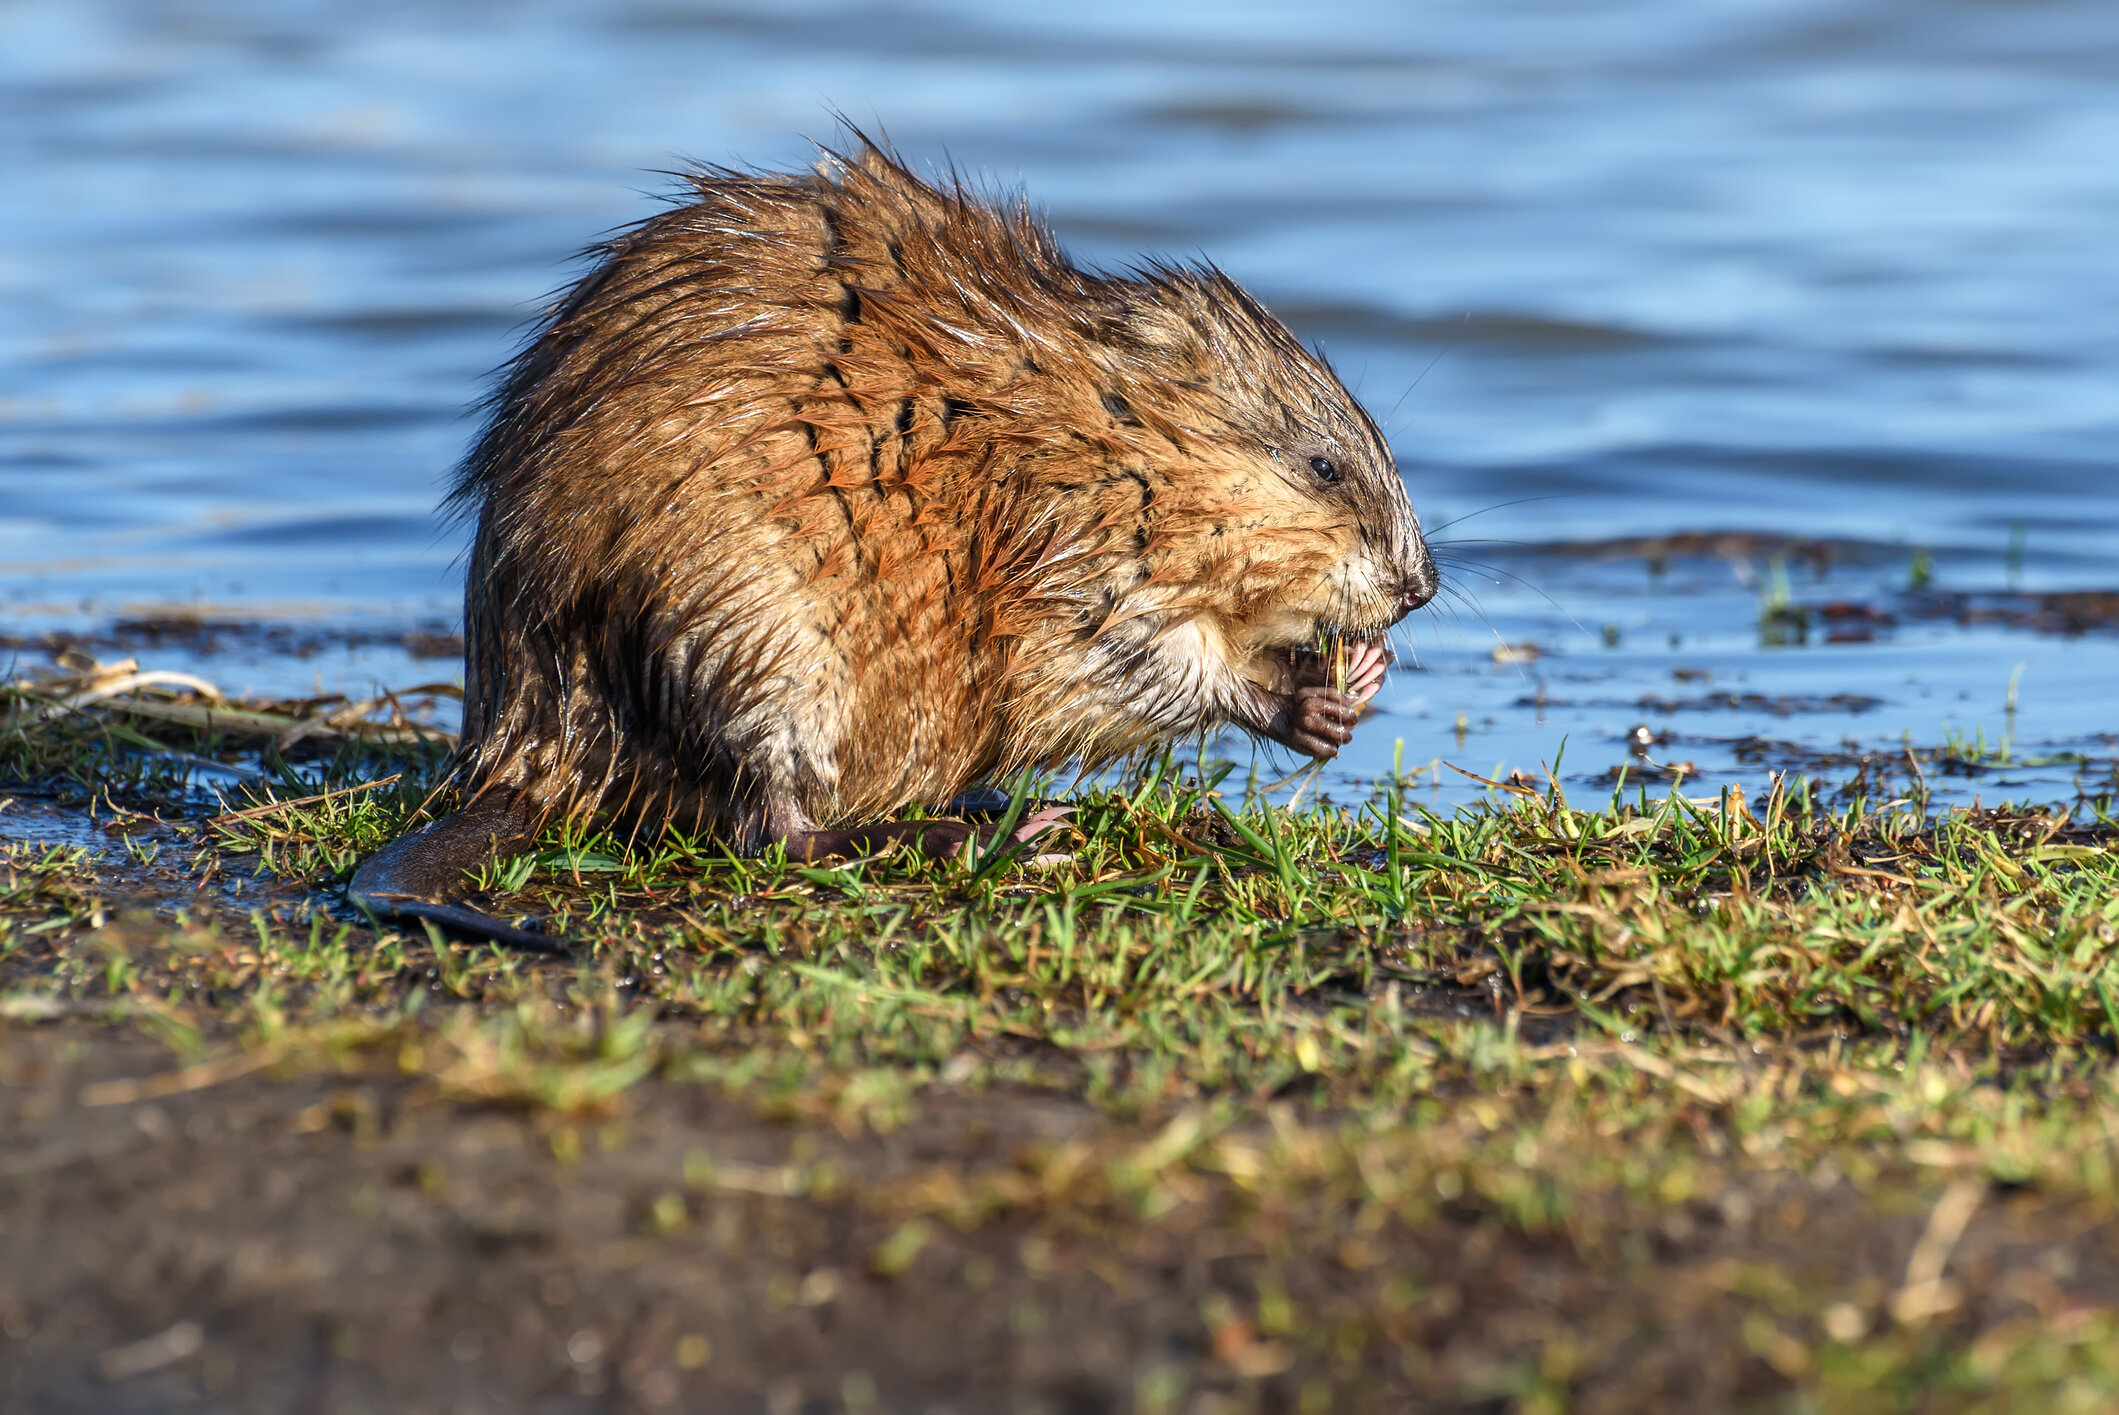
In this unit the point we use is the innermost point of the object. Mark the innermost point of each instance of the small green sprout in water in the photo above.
(1781, 621)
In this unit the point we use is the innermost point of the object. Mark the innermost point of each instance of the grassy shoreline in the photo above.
(1665, 1104)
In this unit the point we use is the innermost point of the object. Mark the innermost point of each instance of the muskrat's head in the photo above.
(1276, 501)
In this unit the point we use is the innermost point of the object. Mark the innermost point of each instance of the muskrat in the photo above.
(827, 495)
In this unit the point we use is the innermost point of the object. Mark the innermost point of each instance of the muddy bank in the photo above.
(354, 1241)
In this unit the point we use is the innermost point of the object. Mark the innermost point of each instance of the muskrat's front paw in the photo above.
(1356, 670)
(1320, 721)
(1371, 659)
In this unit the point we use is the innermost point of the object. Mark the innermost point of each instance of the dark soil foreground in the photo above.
(348, 1242)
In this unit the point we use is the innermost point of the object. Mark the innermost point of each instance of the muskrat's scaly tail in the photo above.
(416, 875)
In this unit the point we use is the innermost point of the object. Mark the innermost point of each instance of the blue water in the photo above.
(1833, 270)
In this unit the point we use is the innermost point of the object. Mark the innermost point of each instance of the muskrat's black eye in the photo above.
(1325, 468)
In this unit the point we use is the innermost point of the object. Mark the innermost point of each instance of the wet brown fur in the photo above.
(824, 495)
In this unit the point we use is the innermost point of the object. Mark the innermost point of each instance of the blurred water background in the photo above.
(1757, 359)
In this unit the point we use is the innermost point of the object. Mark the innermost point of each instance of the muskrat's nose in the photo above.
(1418, 589)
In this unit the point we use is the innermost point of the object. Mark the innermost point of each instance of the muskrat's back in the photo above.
(830, 494)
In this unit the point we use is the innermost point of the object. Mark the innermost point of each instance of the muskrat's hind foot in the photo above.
(420, 875)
